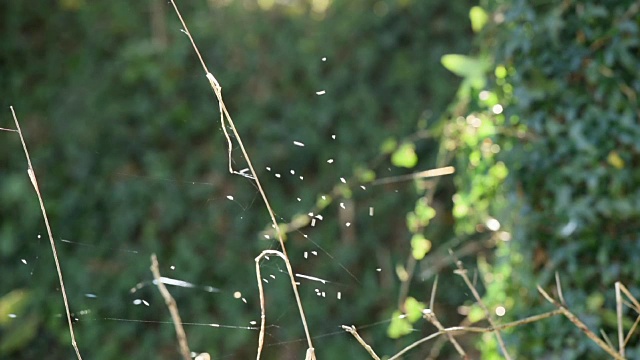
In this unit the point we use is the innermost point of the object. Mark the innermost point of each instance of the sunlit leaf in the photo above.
(478, 18)
(414, 309)
(615, 160)
(420, 246)
(405, 156)
(399, 326)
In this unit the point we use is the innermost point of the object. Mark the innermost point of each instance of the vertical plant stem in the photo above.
(223, 109)
(173, 309)
(34, 182)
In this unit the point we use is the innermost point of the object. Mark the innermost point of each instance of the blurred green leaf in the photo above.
(405, 156)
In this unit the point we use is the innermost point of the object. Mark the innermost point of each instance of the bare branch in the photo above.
(173, 309)
(352, 330)
(580, 325)
(34, 182)
(215, 86)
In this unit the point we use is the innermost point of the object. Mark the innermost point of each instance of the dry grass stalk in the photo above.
(34, 182)
(173, 309)
(352, 330)
(224, 114)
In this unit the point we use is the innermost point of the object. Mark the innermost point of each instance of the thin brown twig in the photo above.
(633, 328)
(635, 302)
(34, 182)
(430, 316)
(559, 289)
(263, 317)
(225, 114)
(447, 170)
(580, 325)
(173, 309)
(463, 272)
(352, 330)
(621, 342)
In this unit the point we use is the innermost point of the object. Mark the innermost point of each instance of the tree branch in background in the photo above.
(34, 182)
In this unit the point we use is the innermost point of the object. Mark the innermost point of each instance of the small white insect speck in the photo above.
(229, 197)
(13, 316)
(265, 280)
(266, 257)
(339, 295)
(237, 295)
(324, 197)
(273, 276)
(266, 236)
(244, 300)
(39, 236)
(172, 267)
(330, 161)
(24, 261)
(371, 211)
(214, 325)
(317, 291)
(268, 168)
(252, 322)
(145, 302)
(278, 175)
(313, 222)
(342, 205)
(301, 177)
(306, 255)
(323, 294)
(305, 236)
(298, 199)
(310, 214)
(324, 59)
(91, 296)
(321, 92)
(137, 302)
(343, 180)
(315, 253)
(362, 187)
(319, 217)
(298, 143)
(347, 224)
(293, 172)
(333, 136)
(378, 269)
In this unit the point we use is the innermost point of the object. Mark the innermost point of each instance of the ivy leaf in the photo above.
(405, 156)
(420, 246)
(414, 309)
(478, 18)
(399, 326)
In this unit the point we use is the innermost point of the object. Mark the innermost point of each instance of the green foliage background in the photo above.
(124, 135)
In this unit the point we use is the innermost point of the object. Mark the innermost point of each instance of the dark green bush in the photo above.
(124, 135)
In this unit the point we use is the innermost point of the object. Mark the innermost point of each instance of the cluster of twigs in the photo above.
(561, 309)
